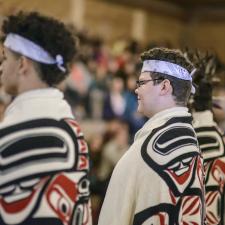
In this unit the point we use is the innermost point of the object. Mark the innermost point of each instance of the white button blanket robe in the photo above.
(159, 180)
(43, 163)
(212, 147)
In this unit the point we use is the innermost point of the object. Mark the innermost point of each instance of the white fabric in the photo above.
(45, 104)
(134, 186)
(220, 102)
(168, 68)
(207, 128)
(36, 104)
(159, 118)
(31, 50)
(203, 118)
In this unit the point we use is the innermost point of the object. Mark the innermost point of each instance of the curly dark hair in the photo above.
(181, 88)
(51, 35)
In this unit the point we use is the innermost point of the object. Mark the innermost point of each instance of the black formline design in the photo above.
(55, 153)
(144, 215)
(172, 210)
(206, 138)
(160, 169)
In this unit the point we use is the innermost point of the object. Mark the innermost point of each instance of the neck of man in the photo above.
(163, 104)
(30, 82)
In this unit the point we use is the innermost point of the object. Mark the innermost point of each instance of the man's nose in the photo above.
(136, 90)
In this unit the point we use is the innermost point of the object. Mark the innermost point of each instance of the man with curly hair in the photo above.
(43, 154)
(160, 179)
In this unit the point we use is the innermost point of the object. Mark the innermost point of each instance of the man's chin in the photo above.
(140, 111)
(11, 92)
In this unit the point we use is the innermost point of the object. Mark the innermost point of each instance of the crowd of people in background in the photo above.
(100, 90)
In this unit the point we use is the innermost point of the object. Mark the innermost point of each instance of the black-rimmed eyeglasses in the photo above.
(139, 83)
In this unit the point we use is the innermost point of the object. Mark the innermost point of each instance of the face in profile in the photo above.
(9, 71)
(147, 95)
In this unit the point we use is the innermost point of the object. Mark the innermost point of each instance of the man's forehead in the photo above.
(144, 75)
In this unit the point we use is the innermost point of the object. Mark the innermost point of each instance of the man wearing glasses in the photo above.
(160, 178)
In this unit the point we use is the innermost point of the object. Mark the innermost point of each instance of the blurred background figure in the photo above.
(208, 113)
(106, 150)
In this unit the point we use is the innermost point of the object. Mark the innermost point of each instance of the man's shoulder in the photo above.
(40, 142)
(211, 142)
(172, 135)
(175, 139)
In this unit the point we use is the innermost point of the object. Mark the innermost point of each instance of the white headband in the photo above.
(31, 50)
(168, 68)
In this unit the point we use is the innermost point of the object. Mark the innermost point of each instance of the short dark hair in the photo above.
(51, 34)
(181, 88)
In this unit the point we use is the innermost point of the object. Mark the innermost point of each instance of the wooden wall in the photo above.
(113, 21)
(110, 21)
(55, 8)
(208, 35)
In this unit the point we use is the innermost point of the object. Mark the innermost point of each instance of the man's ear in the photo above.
(166, 87)
(24, 65)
